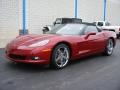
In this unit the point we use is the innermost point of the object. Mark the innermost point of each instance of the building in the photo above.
(43, 12)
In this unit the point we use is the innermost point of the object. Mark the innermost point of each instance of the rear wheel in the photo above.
(60, 56)
(109, 48)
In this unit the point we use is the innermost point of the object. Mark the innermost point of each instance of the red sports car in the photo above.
(64, 43)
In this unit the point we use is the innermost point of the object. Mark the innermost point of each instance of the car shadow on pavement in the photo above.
(27, 67)
(86, 59)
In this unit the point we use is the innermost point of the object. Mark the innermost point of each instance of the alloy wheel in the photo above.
(62, 56)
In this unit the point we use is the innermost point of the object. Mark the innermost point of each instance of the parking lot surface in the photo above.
(92, 73)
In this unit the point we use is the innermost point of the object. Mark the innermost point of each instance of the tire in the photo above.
(109, 48)
(60, 56)
(118, 36)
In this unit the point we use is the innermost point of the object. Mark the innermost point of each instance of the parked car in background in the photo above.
(107, 26)
(67, 20)
(59, 21)
(62, 44)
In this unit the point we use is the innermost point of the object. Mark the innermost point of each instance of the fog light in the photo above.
(35, 58)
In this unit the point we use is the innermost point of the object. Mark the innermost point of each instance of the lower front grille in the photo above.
(17, 57)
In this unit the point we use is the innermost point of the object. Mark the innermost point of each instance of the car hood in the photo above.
(26, 40)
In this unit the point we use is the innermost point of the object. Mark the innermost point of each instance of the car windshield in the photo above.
(67, 29)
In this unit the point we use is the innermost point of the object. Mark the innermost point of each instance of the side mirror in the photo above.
(89, 34)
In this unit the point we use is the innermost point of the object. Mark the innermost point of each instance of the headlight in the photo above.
(41, 43)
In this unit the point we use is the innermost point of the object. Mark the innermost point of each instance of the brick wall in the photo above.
(44, 12)
(8, 20)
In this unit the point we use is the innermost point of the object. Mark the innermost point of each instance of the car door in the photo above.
(92, 41)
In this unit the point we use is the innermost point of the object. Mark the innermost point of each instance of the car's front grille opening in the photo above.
(17, 57)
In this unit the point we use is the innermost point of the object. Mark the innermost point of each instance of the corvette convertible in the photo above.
(64, 43)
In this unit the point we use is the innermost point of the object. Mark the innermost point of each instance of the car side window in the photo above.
(90, 29)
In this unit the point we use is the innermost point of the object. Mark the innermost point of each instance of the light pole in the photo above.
(24, 16)
(76, 8)
(105, 2)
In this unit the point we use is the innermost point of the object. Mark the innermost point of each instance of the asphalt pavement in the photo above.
(92, 73)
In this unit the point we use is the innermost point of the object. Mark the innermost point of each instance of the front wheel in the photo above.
(60, 56)
(109, 48)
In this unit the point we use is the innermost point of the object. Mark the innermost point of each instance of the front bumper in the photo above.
(28, 61)
(26, 56)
